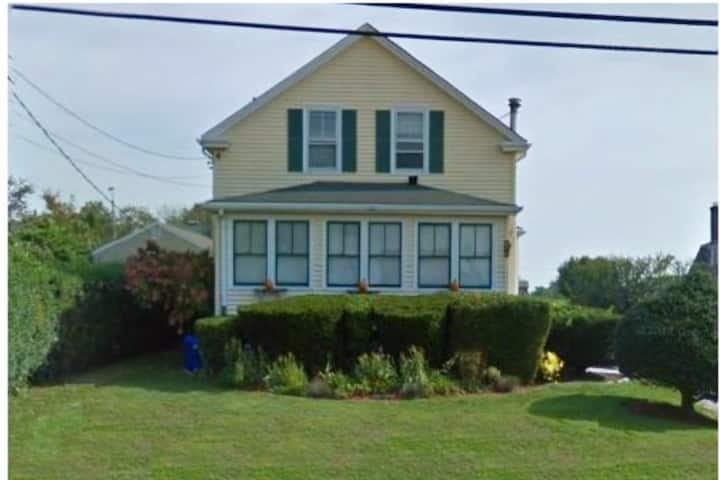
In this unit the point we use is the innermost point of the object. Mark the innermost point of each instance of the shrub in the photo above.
(510, 330)
(339, 384)
(670, 338)
(214, 333)
(414, 380)
(175, 283)
(358, 334)
(470, 367)
(36, 295)
(582, 336)
(306, 326)
(404, 321)
(375, 373)
(245, 366)
(318, 388)
(506, 384)
(550, 367)
(286, 376)
(441, 384)
(491, 376)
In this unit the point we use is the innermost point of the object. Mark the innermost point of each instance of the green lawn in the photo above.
(146, 419)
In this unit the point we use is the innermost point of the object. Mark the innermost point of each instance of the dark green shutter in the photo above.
(295, 139)
(437, 141)
(349, 140)
(382, 141)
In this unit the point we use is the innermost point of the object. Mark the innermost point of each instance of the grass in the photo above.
(144, 418)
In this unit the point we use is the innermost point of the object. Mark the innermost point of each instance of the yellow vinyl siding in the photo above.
(365, 77)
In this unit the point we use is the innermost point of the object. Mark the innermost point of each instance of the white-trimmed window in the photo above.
(410, 145)
(433, 255)
(323, 139)
(475, 255)
(291, 253)
(250, 252)
(343, 254)
(384, 254)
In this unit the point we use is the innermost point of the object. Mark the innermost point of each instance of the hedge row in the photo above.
(63, 321)
(582, 336)
(317, 327)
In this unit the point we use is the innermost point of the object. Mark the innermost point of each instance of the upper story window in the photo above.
(410, 147)
(323, 139)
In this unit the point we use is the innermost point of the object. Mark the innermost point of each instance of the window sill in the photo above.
(264, 291)
(356, 292)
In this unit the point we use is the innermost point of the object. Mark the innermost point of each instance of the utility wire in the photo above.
(103, 167)
(415, 36)
(107, 160)
(697, 22)
(58, 147)
(94, 127)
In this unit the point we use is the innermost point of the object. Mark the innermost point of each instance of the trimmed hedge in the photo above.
(402, 321)
(65, 319)
(213, 334)
(510, 330)
(307, 326)
(582, 336)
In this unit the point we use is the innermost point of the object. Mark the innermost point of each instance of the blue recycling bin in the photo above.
(191, 353)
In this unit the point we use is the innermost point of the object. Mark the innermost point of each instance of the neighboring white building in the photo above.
(363, 166)
(168, 237)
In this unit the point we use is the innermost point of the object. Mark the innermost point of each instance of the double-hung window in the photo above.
(291, 253)
(343, 254)
(433, 254)
(384, 254)
(250, 252)
(323, 145)
(409, 140)
(475, 255)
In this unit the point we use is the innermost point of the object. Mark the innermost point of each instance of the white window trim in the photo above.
(426, 140)
(306, 139)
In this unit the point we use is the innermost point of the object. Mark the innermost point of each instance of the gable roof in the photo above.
(363, 196)
(200, 241)
(215, 136)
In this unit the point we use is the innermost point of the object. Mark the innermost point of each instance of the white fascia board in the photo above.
(361, 208)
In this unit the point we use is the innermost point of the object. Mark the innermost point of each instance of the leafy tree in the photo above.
(175, 283)
(18, 192)
(615, 282)
(670, 338)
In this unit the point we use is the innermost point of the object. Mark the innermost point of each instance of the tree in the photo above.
(670, 338)
(18, 192)
(615, 282)
(176, 283)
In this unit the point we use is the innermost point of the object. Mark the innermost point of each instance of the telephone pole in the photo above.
(112, 211)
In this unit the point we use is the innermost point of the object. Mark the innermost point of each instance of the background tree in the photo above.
(615, 282)
(670, 337)
(18, 192)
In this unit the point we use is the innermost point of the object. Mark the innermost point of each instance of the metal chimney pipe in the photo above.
(514, 106)
(714, 223)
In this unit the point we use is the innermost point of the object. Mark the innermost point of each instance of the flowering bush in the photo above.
(176, 283)
(550, 367)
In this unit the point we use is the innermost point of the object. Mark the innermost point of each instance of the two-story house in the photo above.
(363, 166)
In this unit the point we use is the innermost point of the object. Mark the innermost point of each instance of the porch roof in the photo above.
(330, 195)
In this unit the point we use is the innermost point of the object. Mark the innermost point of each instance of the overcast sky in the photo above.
(624, 155)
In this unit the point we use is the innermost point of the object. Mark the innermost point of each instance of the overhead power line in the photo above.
(59, 148)
(696, 22)
(113, 162)
(119, 171)
(415, 36)
(94, 127)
